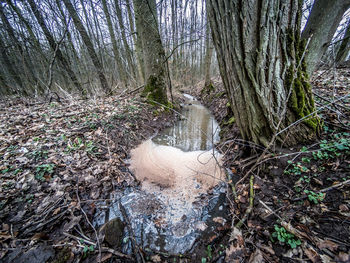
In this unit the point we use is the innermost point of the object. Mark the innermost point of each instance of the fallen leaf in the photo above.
(156, 258)
(327, 244)
(256, 257)
(312, 255)
(343, 258)
(106, 256)
(344, 208)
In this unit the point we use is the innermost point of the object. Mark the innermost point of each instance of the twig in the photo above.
(114, 252)
(87, 219)
(134, 90)
(335, 186)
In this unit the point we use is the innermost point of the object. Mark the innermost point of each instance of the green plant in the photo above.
(38, 154)
(90, 147)
(296, 169)
(42, 170)
(87, 248)
(285, 237)
(314, 197)
(75, 144)
(306, 160)
(209, 252)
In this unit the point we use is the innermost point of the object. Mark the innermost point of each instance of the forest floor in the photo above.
(57, 161)
(300, 210)
(60, 159)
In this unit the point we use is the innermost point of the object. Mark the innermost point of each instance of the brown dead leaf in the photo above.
(267, 249)
(156, 259)
(312, 255)
(256, 257)
(344, 208)
(235, 254)
(106, 256)
(57, 210)
(343, 258)
(327, 244)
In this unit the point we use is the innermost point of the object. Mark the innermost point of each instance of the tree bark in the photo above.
(321, 25)
(27, 70)
(90, 47)
(208, 54)
(344, 48)
(260, 55)
(153, 51)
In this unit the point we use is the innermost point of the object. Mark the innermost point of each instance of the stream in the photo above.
(182, 196)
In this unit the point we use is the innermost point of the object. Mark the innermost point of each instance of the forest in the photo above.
(174, 131)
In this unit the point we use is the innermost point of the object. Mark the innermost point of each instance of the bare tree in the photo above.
(53, 44)
(344, 47)
(116, 52)
(89, 45)
(321, 25)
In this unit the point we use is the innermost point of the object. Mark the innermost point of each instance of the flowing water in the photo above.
(182, 197)
(197, 130)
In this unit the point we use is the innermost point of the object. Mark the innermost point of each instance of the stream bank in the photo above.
(301, 198)
(181, 202)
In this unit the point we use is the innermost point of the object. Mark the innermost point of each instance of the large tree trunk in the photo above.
(90, 47)
(259, 54)
(153, 51)
(321, 25)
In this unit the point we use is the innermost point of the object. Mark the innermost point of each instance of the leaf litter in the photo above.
(57, 161)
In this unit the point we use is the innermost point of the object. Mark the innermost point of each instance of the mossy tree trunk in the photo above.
(260, 53)
(152, 50)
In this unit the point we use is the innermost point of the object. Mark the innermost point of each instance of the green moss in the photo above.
(155, 91)
(230, 121)
(301, 100)
(220, 94)
(209, 88)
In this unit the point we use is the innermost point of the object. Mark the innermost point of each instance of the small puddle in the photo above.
(182, 194)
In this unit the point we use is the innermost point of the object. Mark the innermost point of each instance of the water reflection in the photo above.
(198, 129)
